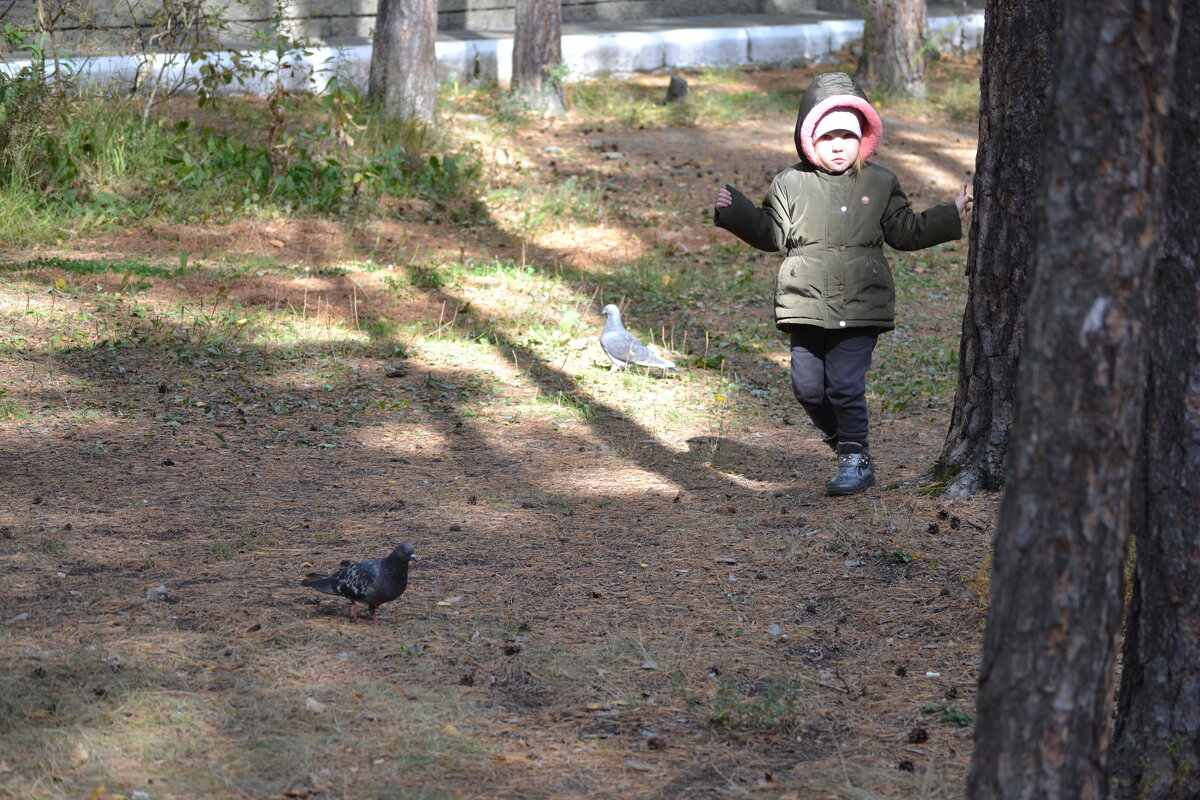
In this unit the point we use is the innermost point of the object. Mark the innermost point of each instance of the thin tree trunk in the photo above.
(1157, 741)
(403, 80)
(537, 55)
(1018, 62)
(893, 61)
(1045, 685)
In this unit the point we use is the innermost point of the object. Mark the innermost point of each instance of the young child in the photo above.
(831, 214)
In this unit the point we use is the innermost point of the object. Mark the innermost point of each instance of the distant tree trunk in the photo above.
(1045, 685)
(1156, 752)
(1018, 63)
(537, 54)
(893, 40)
(403, 80)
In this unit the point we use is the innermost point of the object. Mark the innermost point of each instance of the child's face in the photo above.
(837, 150)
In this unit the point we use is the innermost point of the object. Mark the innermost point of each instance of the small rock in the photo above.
(612, 156)
(314, 705)
(19, 618)
(852, 563)
(650, 664)
(156, 593)
(774, 630)
(640, 765)
(677, 89)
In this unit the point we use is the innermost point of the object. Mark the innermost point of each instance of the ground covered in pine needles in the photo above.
(629, 585)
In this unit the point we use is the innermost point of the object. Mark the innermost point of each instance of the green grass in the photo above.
(24, 216)
(107, 165)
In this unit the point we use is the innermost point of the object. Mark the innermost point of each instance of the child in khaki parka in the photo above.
(830, 214)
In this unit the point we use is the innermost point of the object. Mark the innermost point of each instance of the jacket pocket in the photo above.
(871, 291)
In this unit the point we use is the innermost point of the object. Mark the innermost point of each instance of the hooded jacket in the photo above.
(832, 228)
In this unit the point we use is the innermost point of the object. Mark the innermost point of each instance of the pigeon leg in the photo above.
(353, 610)
(374, 618)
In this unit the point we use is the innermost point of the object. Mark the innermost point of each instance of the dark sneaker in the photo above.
(855, 471)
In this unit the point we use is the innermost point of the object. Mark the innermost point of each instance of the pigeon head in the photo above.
(405, 552)
(612, 312)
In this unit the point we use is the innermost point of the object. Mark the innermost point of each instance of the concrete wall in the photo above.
(124, 26)
(586, 55)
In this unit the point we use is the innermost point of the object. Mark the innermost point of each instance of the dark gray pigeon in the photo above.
(374, 582)
(623, 348)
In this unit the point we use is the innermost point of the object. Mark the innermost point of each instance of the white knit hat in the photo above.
(839, 119)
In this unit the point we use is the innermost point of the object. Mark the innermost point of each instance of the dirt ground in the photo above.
(633, 600)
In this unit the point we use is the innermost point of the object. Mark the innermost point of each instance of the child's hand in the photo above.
(724, 198)
(963, 201)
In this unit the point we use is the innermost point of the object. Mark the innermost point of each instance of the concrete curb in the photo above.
(585, 56)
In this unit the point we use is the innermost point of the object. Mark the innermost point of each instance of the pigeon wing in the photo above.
(358, 582)
(355, 582)
(624, 347)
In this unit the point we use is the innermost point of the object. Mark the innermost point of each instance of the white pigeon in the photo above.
(623, 348)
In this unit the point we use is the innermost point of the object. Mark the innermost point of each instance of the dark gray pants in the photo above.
(829, 378)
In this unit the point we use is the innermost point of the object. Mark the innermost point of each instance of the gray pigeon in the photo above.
(374, 582)
(623, 348)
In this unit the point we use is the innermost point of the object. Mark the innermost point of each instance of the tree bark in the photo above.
(537, 55)
(403, 79)
(1018, 62)
(893, 40)
(1157, 740)
(1045, 685)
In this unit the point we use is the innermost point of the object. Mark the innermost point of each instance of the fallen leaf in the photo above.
(80, 755)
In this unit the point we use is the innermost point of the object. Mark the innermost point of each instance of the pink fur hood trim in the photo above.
(872, 126)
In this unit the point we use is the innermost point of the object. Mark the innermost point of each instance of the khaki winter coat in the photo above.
(832, 228)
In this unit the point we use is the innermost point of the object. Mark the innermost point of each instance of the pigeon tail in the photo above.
(322, 583)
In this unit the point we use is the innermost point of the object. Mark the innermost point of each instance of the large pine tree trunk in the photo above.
(403, 80)
(1157, 741)
(1018, 62)
(537, 54)
(893, 39)
(1045, 685)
